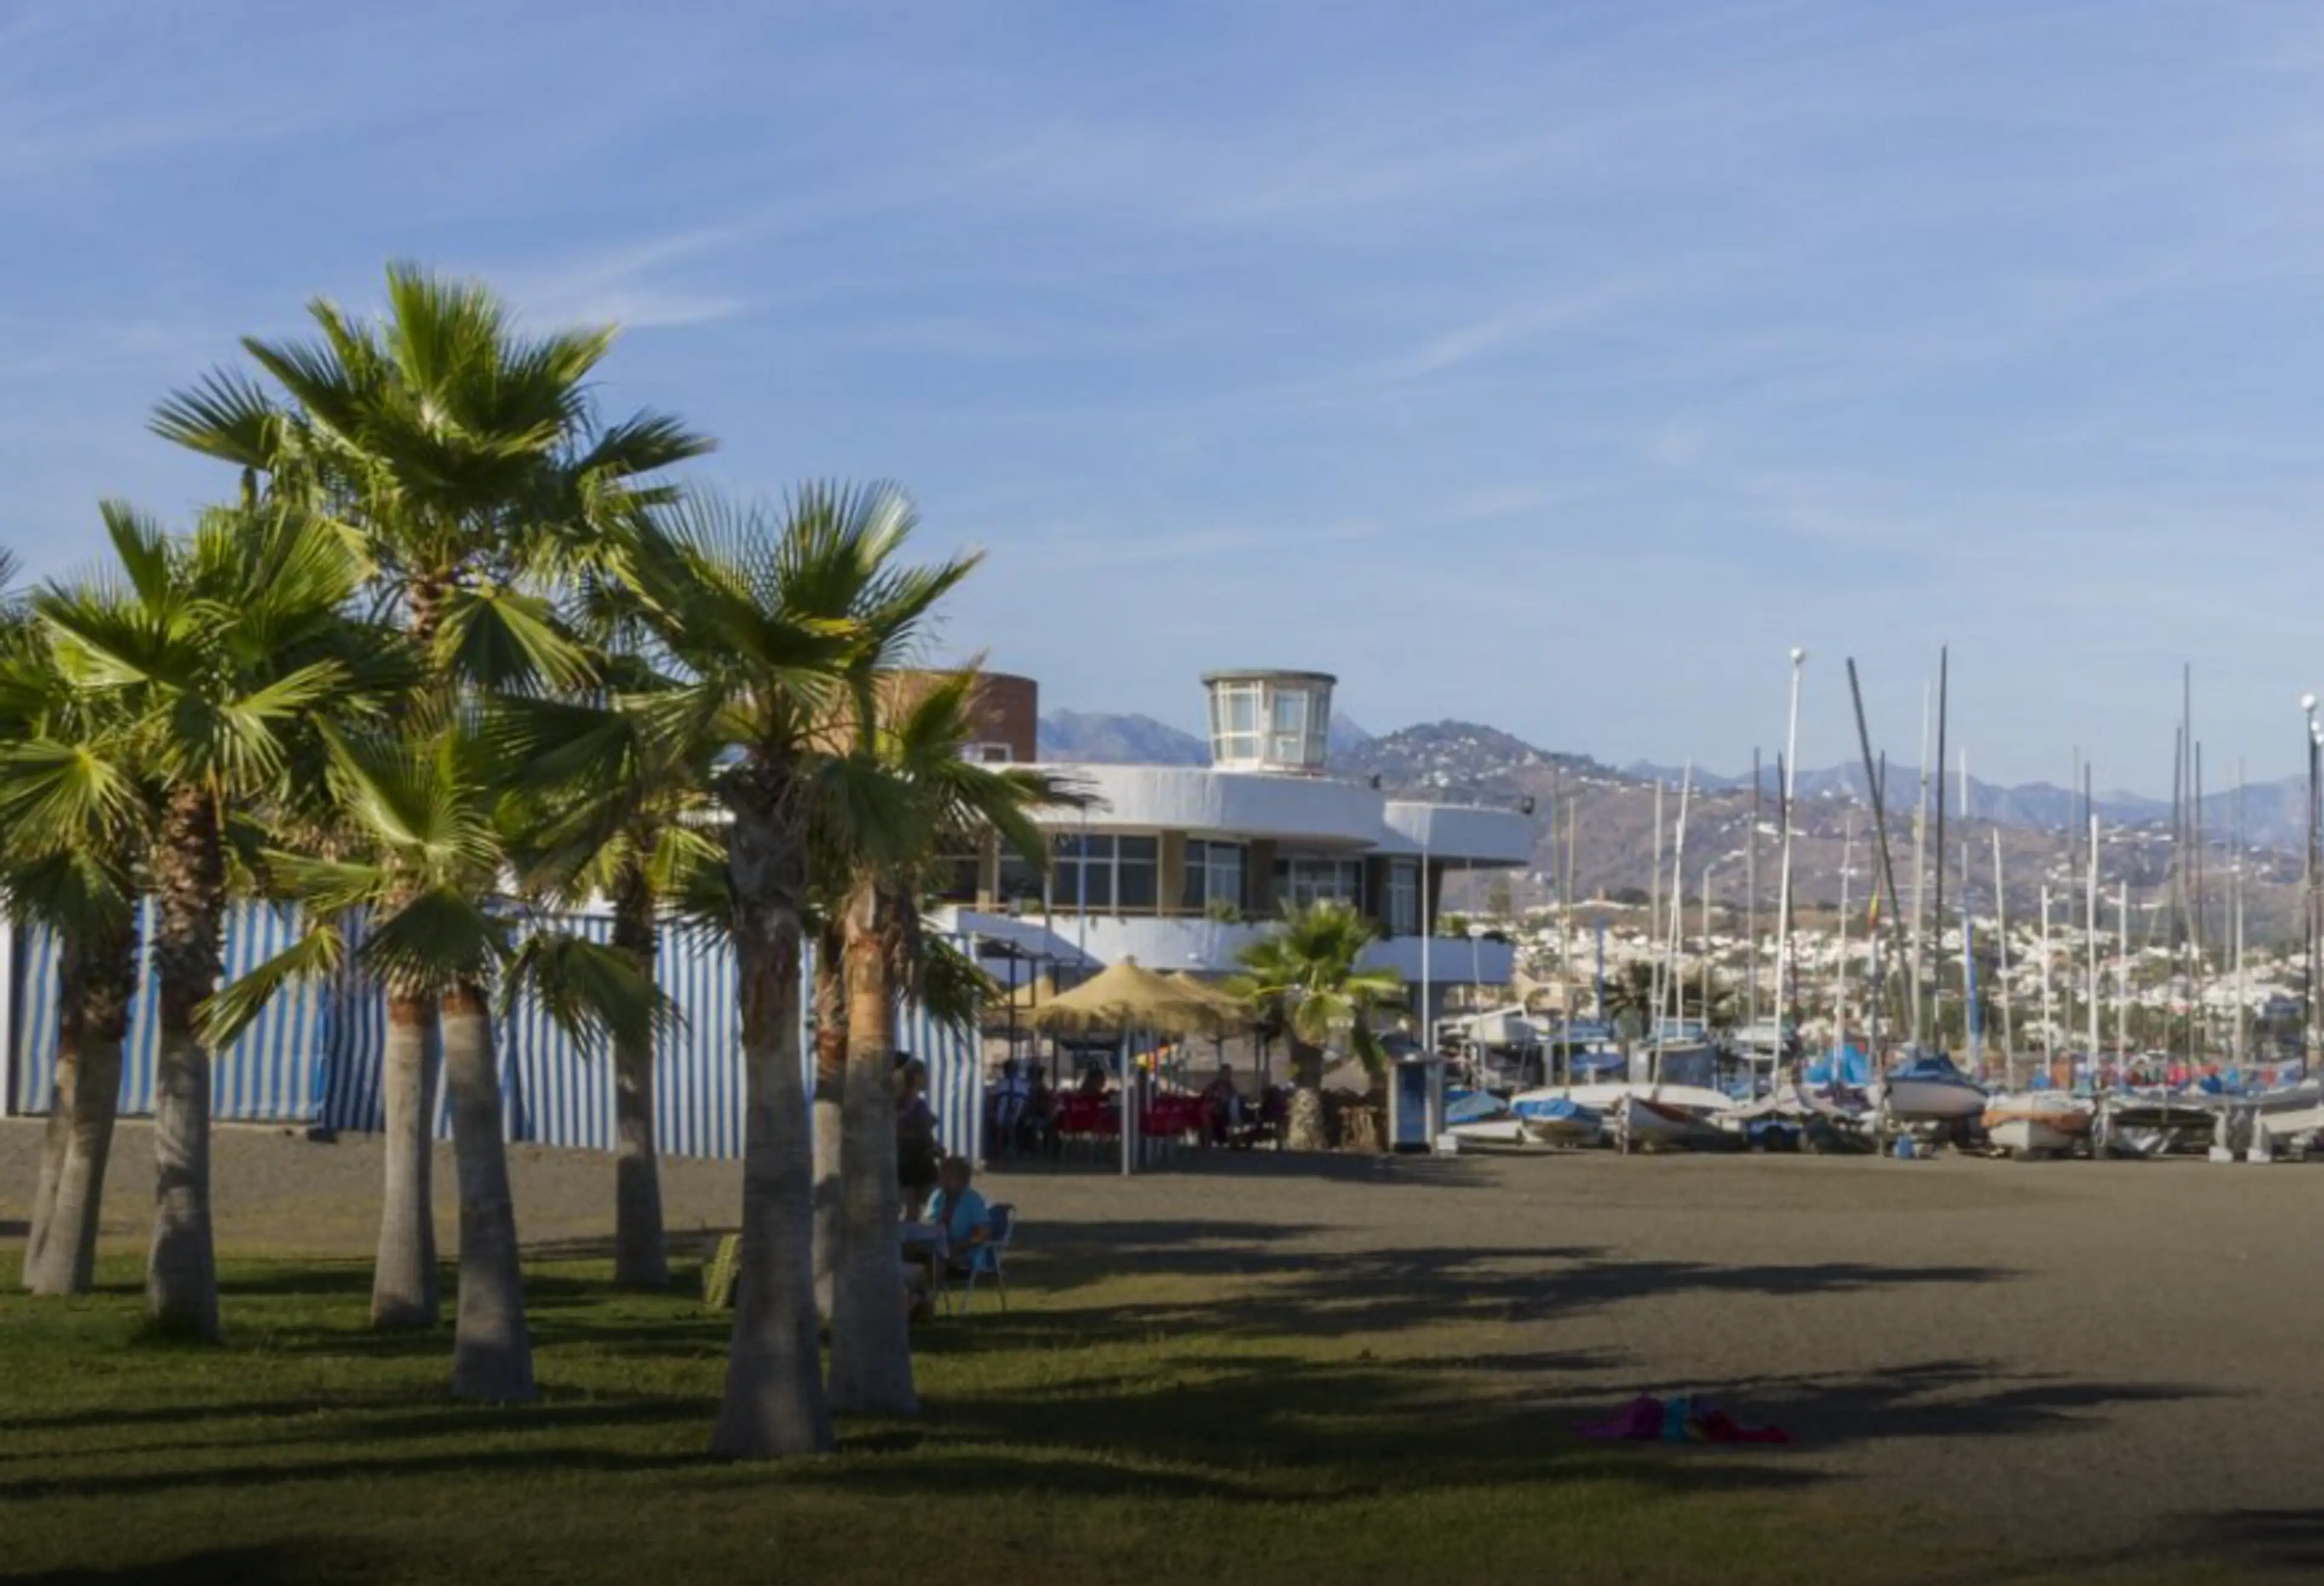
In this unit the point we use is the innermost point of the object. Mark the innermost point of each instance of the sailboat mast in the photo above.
(1654, 922)
(1840, 967)
(1878, 781)
(2001, 935)
(1971, 1029)
(1702, 1005)
(1751, 905)
(2049, 1011)
(1566, 934)
(1672, 983)
(2201, 1031)
(2090, 922)
(1920, 886)
(1788, 771)
(1937, 839)
(1972, 1020)
(2174, 901)
(2236, 873)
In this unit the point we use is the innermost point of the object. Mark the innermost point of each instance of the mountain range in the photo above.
(1611, 835)
(1100, 739)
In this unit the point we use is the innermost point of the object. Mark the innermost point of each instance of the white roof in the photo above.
(1315, 810)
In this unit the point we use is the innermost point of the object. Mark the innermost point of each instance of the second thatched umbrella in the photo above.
(1126, 999)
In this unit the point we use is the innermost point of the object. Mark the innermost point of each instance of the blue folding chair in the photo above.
(989, 1259)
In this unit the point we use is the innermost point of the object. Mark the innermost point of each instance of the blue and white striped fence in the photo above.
(314, 1057)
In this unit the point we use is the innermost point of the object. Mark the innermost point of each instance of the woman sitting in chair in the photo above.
(960, 1212)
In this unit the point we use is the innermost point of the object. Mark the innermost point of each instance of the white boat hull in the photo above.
(1490, 1131)
(1930, 1101)
(1639, 1121)
(2032, 1137)
(1604, 1097)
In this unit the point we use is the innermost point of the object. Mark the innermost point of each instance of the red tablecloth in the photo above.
(1167, 1116)
(1080, 1115)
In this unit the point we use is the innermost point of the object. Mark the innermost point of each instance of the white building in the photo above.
(1181, 866)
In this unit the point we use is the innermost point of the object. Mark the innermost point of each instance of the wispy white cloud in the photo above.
(628, 284)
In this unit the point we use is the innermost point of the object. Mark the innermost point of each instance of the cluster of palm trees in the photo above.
(458, 655)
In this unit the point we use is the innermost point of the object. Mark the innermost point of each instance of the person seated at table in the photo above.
(1093, 1079)
(1039, 1129)
(1222, 1106)
(1274, 1113)
(960, 1212)
(1009, 1096)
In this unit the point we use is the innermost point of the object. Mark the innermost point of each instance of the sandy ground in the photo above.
(2092, 1358)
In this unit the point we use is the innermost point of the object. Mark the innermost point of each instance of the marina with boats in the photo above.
(1641, 1065)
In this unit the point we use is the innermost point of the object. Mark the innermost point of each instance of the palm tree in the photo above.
(908, 795)
(221, 650)
(1305, 976)
(468, 456)
(422, 864)
(471, 463)
(74, 821)
(617, 811)
(1631, 992)
(770, 623)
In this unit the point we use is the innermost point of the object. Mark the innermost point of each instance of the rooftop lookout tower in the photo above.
(1270, 722)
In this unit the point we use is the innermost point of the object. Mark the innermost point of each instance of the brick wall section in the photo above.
(1007, 708)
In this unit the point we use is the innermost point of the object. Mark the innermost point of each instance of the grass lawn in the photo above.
(1099, 1432)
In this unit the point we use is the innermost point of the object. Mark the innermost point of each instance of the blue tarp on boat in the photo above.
(1849, 1067)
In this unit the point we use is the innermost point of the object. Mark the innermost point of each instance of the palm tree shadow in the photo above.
(2290, 1541)
(281, 1563)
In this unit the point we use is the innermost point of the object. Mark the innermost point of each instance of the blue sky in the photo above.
(1557, 366)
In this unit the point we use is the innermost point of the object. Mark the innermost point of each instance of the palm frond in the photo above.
(434, 940)
(588, 990)
(318, 954)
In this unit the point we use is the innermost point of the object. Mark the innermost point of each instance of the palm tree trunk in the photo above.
(492, 1357)
(67, 1260)
(67, 1263)
(830, 1085)
(190, 891)
(404, 1286)
(774, 1402)
(57, 1132)
(641, 1257)
(871, 1334)
(1308, 1132)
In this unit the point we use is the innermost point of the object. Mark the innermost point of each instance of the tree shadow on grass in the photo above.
(1294, 1292)
(681, 1245)
(1259, 1167)
(2285, 1540)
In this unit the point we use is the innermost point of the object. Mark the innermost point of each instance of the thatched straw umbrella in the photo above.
(1126, 998)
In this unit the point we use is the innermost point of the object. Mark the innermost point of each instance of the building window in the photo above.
(1076, 885)
(1214, 876)
(1122, 873)
(1403, 898)
(1022, 882)
(1288, 745)
(986, 754)
(958, 874)
(1138, 874)
(1234, 721)
(1301, 883)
